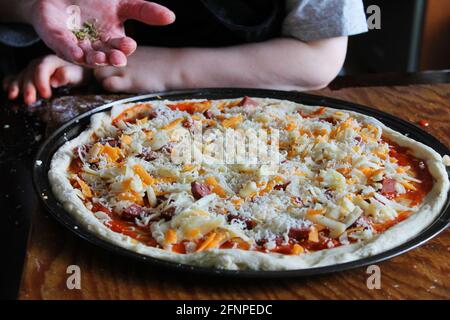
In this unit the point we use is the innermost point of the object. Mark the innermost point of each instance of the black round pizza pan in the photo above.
(74, 127)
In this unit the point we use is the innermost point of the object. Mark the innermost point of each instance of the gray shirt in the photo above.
(309, 20)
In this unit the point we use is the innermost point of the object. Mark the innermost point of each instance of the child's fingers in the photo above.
(29, 92)
(116, 84)
(13, 89)
(60, 78)
(42, 75)
(28, 86)
(11, 85)
(117, 58)
(67, 75)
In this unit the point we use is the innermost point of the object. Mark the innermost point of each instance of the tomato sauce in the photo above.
(380, 227)
(139, 111)
(420, 171)
(132, 230)
(127, 228)
(424, 123)
(191, 107)
(235, 243)
(75, 165)
(319, 111)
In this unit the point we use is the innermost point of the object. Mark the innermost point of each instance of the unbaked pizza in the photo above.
(322, 186)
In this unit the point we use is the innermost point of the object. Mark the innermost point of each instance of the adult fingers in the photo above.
(112, 56)
(97, 58)
(65, 44)
(117, 58)
(146, 12)
(93, 57)
(124, 44)
(110, 47)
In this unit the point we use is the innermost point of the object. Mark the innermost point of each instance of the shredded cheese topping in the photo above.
(337, 180)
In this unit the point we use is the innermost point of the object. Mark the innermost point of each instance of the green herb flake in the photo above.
(87, 31)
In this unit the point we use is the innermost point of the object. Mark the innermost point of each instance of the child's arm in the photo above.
(283, 63)
(279, 63)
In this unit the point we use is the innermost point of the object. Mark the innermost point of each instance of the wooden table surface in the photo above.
(420, 274)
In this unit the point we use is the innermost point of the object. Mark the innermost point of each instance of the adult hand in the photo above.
(50, 20)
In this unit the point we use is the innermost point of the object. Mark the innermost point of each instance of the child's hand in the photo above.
(149, 69)
(41, 75)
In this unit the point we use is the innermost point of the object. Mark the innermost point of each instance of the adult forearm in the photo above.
(16, 11)
(278, 63)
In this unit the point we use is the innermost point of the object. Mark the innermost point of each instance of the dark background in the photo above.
(414, 36)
